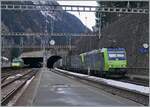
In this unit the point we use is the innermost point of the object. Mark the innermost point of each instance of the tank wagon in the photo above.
(101, 62)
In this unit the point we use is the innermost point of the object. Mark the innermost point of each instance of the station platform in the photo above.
(52, 89)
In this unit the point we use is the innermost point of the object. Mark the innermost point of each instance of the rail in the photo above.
(38, 46)
(13, 91)
(7, 83)
(46, 34)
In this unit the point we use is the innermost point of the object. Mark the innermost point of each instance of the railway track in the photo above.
(11, 72)
(126, 79)
(135, 81)
(11, 86)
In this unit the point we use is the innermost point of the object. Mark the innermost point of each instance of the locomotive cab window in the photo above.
(116, 54)
(120, 55)
(112, 55)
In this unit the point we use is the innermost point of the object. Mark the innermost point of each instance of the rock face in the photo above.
(129, 32)
(35, 21)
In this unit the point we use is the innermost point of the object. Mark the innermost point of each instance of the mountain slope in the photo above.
(35, 21)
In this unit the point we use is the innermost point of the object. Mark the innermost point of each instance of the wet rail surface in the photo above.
(5, 73)
(53, 89)
(14, 82)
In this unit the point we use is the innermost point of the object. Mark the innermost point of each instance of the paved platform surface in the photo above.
(52, 89)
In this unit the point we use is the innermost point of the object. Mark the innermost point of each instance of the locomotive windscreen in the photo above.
(117, 54)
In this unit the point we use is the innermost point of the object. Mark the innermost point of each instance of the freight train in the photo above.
(101, 62)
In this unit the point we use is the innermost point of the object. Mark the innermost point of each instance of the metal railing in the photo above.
(46, 34)
(31, 46)
(47, 7)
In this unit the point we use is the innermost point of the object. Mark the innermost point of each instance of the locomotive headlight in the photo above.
(123, 66)
(110, 65)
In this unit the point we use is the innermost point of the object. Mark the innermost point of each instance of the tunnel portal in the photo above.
(37, 62)
(34, 62)
(51, 61)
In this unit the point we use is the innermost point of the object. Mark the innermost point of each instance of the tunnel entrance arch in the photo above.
(51, 60)
(33, 62)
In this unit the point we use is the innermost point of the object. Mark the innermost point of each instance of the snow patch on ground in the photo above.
(46, 13)
(39, 2)
(43, 13)
(18, 75)
(76, 74)
(129, 86)
(11, 77)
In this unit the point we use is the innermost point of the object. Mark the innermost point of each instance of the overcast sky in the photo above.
(90, 20)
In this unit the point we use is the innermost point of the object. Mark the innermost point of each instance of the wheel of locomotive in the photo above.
(123, 75)
(101, 74)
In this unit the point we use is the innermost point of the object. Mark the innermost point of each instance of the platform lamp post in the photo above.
(69, 51)
(99, 21)
(44, 41)
(99, 30)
